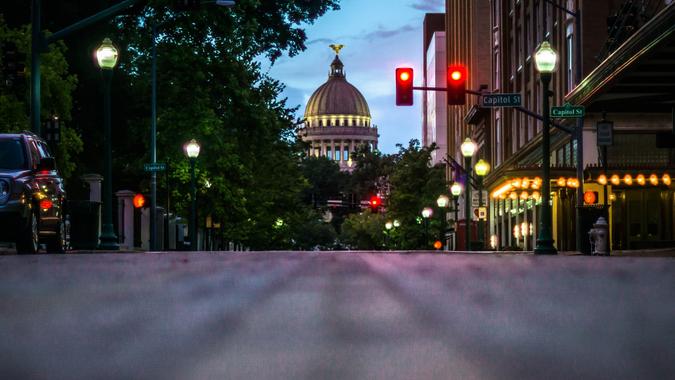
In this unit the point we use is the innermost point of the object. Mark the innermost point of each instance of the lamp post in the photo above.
(482, 168)
(468, 149)
(456, 191)
(426, 214)
(546, 60)
(443, 201)
(191, 149)
(106, 58)
(387, 226)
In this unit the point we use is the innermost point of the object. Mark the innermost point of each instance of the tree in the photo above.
(363, 231)
(415, 185)
(57, 88)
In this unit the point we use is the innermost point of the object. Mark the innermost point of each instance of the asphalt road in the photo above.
(285, 315)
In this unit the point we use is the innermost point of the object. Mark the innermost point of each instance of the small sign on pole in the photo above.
(501, 100)
(155, 167)
(605, 133)
(568, 111)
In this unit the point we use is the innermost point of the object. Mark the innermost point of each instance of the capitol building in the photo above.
(337, 118)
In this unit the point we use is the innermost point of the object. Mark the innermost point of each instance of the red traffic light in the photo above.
(139, 200)
(375, 201)
(457, 76)
(404, 86)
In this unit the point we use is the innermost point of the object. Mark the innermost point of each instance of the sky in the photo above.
(379, 35)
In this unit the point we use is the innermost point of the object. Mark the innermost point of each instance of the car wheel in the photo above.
(29, 239)
(57, 244)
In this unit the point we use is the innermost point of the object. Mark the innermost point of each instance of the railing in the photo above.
(630, 17)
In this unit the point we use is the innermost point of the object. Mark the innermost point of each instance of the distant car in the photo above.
(32, 195)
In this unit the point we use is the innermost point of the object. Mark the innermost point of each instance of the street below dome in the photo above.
(335, 315)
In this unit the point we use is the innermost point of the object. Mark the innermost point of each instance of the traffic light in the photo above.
(591, 197)
(375, 203)
(139, 200)
(52, 131)
(457, 85)
(404, 86)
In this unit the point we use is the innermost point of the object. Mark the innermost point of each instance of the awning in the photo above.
(639, 76)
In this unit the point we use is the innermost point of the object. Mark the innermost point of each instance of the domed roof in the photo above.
(337, 96)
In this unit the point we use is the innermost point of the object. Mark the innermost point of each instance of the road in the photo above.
(343, 315)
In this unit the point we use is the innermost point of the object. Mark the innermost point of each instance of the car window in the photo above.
(44, 151)
(35, 156)
(12, 155)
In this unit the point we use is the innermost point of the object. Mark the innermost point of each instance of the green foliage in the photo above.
(57, 89)
(364, 231)
(415, 185)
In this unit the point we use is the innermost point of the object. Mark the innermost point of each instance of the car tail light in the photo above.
(46, 204)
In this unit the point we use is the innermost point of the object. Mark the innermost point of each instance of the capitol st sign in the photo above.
(568, 111)
(501, 100)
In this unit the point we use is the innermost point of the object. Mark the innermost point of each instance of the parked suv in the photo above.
(32, 195)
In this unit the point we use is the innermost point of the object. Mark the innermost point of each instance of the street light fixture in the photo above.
(468, 149)
(191, 149)
(427, 212)
(546, 60)
(443, 201)
(456, 191)
(482, 168)
(106, 58)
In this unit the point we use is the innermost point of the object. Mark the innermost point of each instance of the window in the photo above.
(569, 65)
(328, 153)
(337, 153)
(498, 141)
(345, 154)
(12, 155)
(317, 152)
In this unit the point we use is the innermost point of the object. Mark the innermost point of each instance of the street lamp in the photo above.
(456, 191)
(427, 212)
(191, 149)
(546, 60)
(443, 201)
(468, 149)
(106, 58)
(482, 168)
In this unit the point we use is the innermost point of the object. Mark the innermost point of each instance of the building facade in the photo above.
(337, 118)
(434, 103)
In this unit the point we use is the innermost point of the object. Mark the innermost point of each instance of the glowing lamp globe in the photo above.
(192, 148)
(545, 58)
(443, 201)
(482, 168)
(456, 189)
(427, 212)
(106, 55)
(388, 225)
(468, 148)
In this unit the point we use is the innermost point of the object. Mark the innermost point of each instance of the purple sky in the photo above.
(379, 35)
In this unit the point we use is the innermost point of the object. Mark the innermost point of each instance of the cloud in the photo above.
(386, 33)
(320, 41)
(429, 5)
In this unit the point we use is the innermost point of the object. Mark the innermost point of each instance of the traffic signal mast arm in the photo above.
(456, 165)
(519, 109)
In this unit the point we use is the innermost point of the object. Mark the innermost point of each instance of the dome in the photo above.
(337, 96)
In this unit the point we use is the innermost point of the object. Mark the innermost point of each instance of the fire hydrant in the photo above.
(599, 235)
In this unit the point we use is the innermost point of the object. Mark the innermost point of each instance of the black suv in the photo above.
(32, 195)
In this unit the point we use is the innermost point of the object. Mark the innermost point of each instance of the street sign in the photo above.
(605, 133)
(155, 167)
(482, 213)
(501, 100)
(568, 111)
